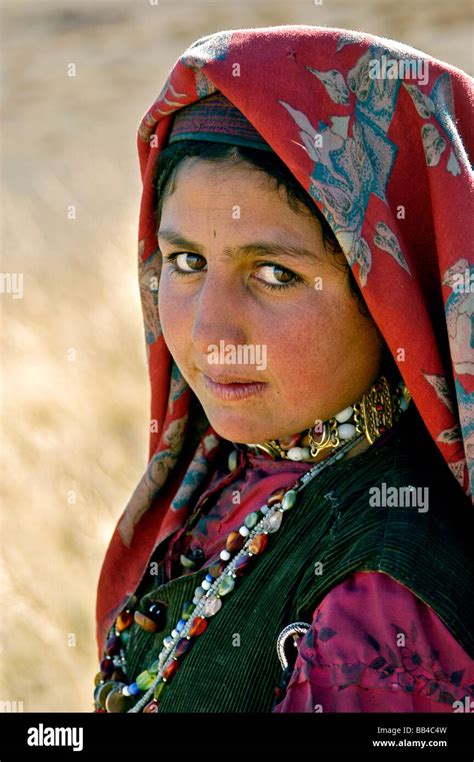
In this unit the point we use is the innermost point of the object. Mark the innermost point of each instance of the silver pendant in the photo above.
(295, 628)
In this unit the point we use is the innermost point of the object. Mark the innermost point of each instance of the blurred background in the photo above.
(73, 372)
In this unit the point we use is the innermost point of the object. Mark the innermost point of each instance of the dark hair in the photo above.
(173, 155)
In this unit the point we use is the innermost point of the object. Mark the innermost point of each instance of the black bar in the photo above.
(135, 734)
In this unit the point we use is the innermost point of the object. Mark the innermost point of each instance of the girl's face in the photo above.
(248, 292)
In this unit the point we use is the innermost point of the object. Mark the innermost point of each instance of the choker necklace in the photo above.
(114, 692)
(376, 412)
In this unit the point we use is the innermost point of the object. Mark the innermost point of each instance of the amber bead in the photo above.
(276, 496)
(145, 622)
(98, 678)
(124, 620)
(198, 626)
(170, 669)
(151, 707)
(234, 542)
(258, 544)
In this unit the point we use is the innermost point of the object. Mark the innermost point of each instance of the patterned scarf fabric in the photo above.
(380, 135)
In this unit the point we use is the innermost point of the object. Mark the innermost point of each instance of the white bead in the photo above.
(264, 509)
(346, 430)
(205, 584)
(211, 606)
(196, 600)
(344, 415)
(232, 460)
(174, 633)
(273, 522)
(125, 690)
(244, 531)
(225, 555)
(295, 453)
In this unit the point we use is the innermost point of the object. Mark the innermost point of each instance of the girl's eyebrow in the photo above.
(268, 248)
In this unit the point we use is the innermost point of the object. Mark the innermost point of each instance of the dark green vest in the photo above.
(233, 666)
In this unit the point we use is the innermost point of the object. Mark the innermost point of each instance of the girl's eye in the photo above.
(275, 277)
(179, 263)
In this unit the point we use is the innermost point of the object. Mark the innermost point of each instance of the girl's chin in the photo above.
(245, 427)
(239, 437)
(236, 433)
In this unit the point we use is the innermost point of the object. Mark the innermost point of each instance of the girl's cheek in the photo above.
(168, 307)
(168, 297)
(175, 314)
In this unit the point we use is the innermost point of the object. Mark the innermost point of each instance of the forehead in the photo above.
(197, 180)
(239, 196)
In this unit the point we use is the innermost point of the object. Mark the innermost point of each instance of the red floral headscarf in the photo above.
(391, 174)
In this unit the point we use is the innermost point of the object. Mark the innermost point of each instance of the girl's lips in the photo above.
(234, 391)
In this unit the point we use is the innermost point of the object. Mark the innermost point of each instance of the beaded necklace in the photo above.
(144, 694)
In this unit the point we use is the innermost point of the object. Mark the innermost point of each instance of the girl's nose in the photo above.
(220, 315)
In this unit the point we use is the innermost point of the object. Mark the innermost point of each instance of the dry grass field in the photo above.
(73, 371)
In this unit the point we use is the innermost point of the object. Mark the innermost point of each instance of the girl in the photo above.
(307, 302)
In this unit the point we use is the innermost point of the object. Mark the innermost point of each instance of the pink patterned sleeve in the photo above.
(373, 646)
